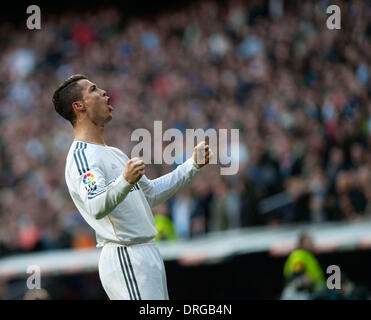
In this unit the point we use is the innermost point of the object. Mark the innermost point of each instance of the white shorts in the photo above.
(134, 272)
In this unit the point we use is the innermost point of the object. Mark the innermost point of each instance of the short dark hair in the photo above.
(67, 93)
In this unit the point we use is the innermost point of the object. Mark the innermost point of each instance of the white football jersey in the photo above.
(117, 210)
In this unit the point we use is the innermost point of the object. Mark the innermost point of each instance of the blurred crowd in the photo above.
(298, 92)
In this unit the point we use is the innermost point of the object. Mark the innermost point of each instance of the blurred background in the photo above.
(298, 92)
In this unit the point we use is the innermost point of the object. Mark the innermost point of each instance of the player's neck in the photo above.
(91, 133)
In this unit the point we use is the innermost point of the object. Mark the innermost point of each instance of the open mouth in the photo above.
(108, 104)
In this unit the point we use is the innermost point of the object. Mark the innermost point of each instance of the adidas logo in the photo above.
(113, 166)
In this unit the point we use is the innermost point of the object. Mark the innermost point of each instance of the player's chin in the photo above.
(110, 112)
(109, 117)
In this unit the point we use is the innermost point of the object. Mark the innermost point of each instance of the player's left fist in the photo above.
(202, 154)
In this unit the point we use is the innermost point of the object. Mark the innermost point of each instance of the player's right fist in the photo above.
(134, 170)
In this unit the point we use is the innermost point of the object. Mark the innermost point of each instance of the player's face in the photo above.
(97, 103)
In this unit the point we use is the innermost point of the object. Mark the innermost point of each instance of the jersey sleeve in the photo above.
(161, 189)
(100, 196)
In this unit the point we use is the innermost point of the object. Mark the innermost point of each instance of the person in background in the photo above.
(181, 208)
(302, 271)
(164, 225)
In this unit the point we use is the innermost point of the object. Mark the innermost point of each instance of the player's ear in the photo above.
(78, 106)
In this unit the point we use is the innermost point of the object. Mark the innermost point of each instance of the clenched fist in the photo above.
(202, 154)
(134, 170)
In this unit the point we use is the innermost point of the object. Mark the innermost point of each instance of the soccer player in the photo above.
(115, 197)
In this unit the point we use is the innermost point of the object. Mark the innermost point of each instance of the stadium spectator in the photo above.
(303, 274)
(164, 225)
